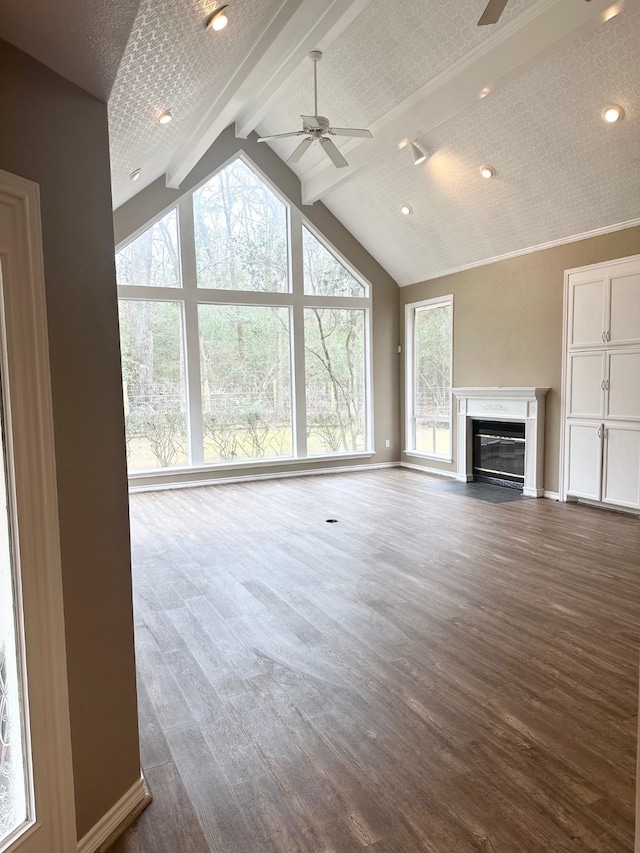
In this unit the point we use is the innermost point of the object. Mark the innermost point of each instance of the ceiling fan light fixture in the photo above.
(165, 118)
(612, 114)
(135, 174)
(406, 210)
(487, 172)
(218, 19)
(419, 153)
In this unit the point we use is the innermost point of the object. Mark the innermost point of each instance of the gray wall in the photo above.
(157, 197)
(507, 325)
(55, 134)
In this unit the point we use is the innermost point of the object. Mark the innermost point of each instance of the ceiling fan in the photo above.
(316, 128)
(495, 8)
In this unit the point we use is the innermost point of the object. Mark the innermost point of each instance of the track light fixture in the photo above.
(419, 153)
(218, 19)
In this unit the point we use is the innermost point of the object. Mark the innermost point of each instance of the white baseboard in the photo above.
(450, 475)
(553, 496)
(248, 478)
(124, 810)
(533, 493)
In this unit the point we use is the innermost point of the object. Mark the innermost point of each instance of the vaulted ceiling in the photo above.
(524, 96)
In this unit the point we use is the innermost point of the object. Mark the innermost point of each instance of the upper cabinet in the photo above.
(604, 306)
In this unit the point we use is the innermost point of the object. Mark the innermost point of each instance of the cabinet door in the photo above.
(624, 310)
(587, 311)
(621, 484)
(587, 381)
(623, 385)
(584, 460)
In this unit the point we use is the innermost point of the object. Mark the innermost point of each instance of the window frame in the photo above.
(410, 415)
(190, 296)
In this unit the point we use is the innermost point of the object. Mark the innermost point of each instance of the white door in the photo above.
(621, 485)
(587, 309)
(586, 385)
(584, 460)
(36, 780)
(623, 385)
(624, 319)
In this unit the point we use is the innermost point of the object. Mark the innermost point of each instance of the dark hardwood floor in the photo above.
(432, 673)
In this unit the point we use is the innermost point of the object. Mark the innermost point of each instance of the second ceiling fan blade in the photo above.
(491, 14)
(281, 135)
(297, 154)
(351, 131)
(334, 153)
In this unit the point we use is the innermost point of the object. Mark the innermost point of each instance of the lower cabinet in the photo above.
(603, 462)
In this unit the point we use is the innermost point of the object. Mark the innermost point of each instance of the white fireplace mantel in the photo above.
(522, 405)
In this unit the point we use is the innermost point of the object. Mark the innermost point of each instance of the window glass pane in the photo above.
(240, 233)
(432, 378)
(324, 275)
(335, 380)
(245, 358)
(153, 384)
(13, 775)
(152, 259)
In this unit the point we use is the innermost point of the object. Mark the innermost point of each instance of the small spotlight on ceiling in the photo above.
(135, 175)
(487, 171)
(613, 114)
(419, 153)
(165, 118)
(406, 210)
(218, 19)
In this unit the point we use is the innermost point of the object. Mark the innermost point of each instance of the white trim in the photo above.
(123, 810)
(33, 499)
(552, 496)
(432, 456)
(449, 475)
(250, 478)
(540, 247)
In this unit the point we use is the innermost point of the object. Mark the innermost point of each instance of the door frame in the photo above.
(30, 455)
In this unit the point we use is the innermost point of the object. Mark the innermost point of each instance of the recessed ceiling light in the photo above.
(613, 114)
(487, 171)
(406, 210)
(419, 153)
(218, 19)
(165, 118)
(135, 175)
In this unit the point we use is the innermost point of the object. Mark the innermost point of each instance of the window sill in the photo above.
(246, 463)
(434, 456)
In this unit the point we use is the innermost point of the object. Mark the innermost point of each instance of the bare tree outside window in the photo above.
(152, 260)
(240, 233)
(432, 378)
(245, 369)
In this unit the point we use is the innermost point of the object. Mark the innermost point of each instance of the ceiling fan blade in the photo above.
(351, 131)
(297, 154)
(491, 14)
(281, 135)
(333, 153)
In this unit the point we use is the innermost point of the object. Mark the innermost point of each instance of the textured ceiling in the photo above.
(560, 170)
(172, 62)
(82, 40)
(390, 51)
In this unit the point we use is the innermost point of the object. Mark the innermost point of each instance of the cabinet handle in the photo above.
(602, 384)
(606, 384)
(603, 336)
(606, 434)
(607, 336)
(599, 432)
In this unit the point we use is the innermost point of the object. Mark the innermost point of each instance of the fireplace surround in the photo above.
(510, 405)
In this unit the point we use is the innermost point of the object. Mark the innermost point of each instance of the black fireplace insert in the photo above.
(498, 453)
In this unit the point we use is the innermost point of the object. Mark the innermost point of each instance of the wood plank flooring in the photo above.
(432, 673)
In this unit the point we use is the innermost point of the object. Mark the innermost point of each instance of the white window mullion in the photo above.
(191, 335)
(296, 271)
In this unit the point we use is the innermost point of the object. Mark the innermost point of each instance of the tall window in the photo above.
(429, 341)
(244, 336)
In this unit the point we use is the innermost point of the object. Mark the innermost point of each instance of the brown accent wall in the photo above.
(507, 325)
(132, 215)
(55, 134)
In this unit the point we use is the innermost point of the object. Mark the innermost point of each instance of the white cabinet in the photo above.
(602, 384)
